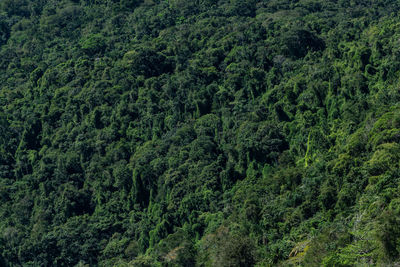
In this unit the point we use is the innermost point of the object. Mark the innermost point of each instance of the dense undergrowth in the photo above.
(199, 133)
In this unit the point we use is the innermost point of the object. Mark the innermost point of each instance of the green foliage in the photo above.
(199, 133)
(93, 44)
(224, 248)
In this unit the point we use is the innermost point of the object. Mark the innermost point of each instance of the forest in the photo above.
(212, 133)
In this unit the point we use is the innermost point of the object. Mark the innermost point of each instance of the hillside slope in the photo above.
(199, 133)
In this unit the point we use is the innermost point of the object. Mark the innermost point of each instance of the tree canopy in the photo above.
(199, 133)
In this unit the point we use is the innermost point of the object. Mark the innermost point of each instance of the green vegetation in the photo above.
(199, 133)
